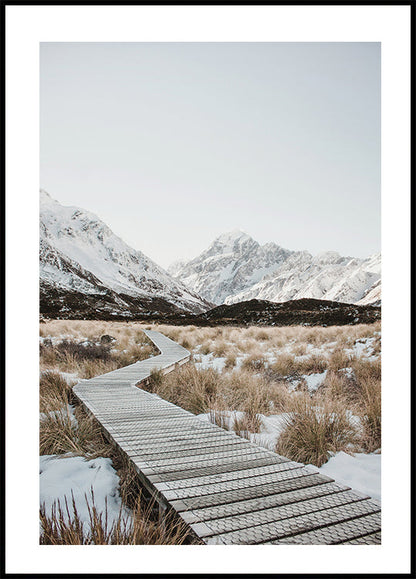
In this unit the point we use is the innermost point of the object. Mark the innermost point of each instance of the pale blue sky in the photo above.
(172, 144)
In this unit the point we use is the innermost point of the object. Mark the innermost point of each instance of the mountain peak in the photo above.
(45, 198)
(237, 268)
(233, 238)
(233, 235)
(80, 253)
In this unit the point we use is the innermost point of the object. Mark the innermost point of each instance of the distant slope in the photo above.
(308, 312)
(85, 268)
(236, 268)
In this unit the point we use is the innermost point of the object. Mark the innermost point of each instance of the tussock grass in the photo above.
(311, 365)
(262, 335)
(284, 365)
(63, 526)
(206, 348)
(91, 368)
(366, 369)
(249, 422)
(339, 359)
(255, 363)
(313, 431)
(220, 349)
(154, 381)
(230, 361)
(370, 413)
(61, 432)
(188, 387)
(54, 391)
(89, 356)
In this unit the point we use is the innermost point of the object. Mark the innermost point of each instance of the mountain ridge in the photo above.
(237, 268)
(79, 253)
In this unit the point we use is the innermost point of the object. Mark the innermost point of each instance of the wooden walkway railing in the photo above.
(227, 489)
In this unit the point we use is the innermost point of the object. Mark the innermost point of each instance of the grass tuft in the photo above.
(63, 526)
(312, 432)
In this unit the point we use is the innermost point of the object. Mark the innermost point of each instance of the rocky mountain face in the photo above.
(232, 264)
(85, 268)
(236, 268)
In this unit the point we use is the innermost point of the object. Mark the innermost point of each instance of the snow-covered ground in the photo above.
(64, 475)
(362, 472)
(205, 361)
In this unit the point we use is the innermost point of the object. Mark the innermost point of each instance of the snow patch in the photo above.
(361, 472)
(61, 475)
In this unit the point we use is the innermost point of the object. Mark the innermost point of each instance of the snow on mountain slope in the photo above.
(232, 263)
(236, 268)
(372, 296)
(79, 252)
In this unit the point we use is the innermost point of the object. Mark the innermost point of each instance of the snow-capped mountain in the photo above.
(372, 296)
(236, 268)
(80, 254)
(233, 263)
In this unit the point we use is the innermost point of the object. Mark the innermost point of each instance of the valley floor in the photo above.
(311, 394)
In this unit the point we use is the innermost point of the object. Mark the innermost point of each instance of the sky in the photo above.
(173, 144)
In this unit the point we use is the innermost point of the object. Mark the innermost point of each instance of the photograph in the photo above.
(210, 293)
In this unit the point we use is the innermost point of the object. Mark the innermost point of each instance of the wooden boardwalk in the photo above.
(227, 489)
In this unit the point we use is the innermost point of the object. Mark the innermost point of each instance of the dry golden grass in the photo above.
(284, 365)
(192, 389)
(230, 361)
(83, 353)
(314, 429)
(255, 362)
(61, 432)
(54, 391)
(370, 412)
(339, 359)
(313, 364)
(249, 422)
(257, 386)
(63, 526)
